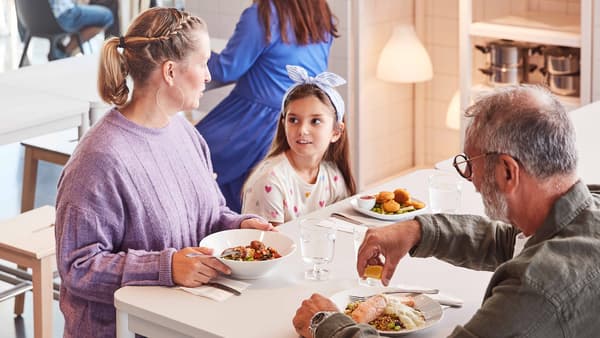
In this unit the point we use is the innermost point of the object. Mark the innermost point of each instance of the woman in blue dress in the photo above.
(269, 35)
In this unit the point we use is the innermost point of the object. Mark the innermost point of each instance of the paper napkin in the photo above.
(215, 293)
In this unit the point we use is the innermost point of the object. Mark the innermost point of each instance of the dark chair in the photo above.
(39, 21)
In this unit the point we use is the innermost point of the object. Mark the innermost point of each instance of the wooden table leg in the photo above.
(29, 179)
(42, 297)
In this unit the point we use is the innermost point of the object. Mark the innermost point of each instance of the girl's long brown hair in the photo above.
(311, 20)
(338, 152)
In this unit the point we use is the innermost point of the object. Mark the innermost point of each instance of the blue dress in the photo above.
(240, 129)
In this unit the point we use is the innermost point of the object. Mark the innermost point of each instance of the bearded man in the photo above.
(541, 240)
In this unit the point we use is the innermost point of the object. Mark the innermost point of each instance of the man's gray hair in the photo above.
(528, 123)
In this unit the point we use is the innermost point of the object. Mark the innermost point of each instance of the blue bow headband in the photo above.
(325, 81)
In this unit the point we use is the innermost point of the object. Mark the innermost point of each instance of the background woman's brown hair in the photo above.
(338, 152)
(311, 20)
(156, 35)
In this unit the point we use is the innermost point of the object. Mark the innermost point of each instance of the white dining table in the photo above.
(54, 96)
(27, 112)
(266, 309)
(73, 77)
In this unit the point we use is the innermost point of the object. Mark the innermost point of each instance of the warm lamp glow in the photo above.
(404, 58)
(453, 112)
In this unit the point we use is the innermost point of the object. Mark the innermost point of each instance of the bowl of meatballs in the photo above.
(250, 253)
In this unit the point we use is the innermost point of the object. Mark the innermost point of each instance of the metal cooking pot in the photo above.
(502, 76)
(561, 60)
(507, 53)
(567, 85)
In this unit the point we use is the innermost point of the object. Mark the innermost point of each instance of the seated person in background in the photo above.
(89, 20)
(139, 194)
(542, 239)
(113, 6)
(308, 166)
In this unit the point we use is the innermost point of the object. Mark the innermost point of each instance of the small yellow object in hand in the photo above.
(373, 271)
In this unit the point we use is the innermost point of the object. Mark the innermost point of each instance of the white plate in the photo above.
(432, 310)
(393, 217)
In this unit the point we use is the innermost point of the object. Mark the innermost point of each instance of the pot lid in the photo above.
(508, 43)
(561, 51)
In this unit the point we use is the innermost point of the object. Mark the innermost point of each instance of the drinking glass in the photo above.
(445, 190)
(358, 235)
(317, 244)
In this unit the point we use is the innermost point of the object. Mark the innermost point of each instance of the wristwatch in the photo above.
(317, 319)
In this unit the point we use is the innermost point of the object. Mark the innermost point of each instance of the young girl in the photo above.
(307, 167)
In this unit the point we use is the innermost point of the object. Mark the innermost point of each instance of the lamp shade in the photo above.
(404, 58)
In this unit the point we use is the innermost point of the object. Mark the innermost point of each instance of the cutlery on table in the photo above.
(224, 287)
(227, 252)
(398, 290)
(447, 301)
(348, 219)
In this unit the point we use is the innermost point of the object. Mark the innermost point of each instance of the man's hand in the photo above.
(392, 242)
(193, 267)
(257, 223)
(308, 309)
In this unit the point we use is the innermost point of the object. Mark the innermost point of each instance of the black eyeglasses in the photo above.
(462, 163)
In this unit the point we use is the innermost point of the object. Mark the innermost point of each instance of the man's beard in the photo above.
(494, 202)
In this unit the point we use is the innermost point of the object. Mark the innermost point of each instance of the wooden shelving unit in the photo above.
(533, 27)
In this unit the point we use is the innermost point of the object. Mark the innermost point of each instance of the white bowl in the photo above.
(366, 201)
(222, 240)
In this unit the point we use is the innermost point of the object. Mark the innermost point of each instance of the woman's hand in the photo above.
(193, 267)
(257, 223)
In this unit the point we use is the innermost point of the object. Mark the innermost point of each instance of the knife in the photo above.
(224, 287)
(411, 290)
(348, 219)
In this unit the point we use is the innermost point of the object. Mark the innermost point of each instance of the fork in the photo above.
(442, 301)
(354, 298)
(227, 252)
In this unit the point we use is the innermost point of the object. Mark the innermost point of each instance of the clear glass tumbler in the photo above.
(317, 244)
(445, 191)
(358, 235)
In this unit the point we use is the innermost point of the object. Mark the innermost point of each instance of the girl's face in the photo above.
(193, 72)
(309, 127)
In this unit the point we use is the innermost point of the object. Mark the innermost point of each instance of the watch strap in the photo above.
(317, 319)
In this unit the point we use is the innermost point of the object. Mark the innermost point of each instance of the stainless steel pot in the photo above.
(561, 60)
(502, 76)
(567, 85)
(507, 53)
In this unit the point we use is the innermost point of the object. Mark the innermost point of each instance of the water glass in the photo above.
(358, 235)
(445, 191)
(317, 244)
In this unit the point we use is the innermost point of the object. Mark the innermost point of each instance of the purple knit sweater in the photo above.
(127, 200)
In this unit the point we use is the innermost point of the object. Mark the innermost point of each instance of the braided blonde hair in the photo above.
(156, 35)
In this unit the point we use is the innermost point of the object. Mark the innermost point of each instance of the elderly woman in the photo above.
(139, 192)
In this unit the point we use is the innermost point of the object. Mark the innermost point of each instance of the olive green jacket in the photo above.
(551, 289)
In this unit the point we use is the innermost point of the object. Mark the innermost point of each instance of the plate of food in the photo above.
(390, 314)
(398, 205)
